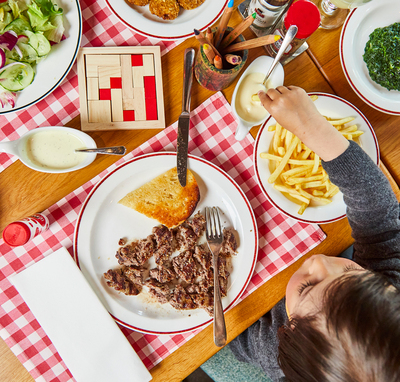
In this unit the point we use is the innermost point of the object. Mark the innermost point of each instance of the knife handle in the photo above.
(188, 63)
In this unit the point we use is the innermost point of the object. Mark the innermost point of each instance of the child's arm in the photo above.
(372, 208)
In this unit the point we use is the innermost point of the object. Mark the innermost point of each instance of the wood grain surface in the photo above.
(24, 191)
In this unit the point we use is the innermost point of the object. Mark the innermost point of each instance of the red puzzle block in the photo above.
(149, 87)
(151, 109)
(129, 115)
(116, 82)
(137, 60)
(105, 94)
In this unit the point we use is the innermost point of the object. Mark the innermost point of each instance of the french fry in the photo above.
(284, 160)
(298, 170)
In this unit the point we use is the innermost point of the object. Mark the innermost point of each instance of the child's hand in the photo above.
(293, 109)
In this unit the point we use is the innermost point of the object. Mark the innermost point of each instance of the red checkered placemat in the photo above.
(100, 28)
(282, 240)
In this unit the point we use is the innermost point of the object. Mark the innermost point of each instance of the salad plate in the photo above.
(51, 71)
(336, 108)
(142, 21)
(103, 221)
(360, 23)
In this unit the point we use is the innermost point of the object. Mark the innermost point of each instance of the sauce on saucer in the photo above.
(54, 149)
(246, 108)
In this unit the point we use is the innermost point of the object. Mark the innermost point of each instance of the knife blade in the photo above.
(184, 118)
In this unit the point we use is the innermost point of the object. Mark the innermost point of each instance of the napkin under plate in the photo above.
(83, 332)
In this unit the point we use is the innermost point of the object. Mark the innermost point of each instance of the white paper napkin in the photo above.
(83, 332)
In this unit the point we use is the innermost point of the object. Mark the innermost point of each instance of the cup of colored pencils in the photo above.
(216, 71)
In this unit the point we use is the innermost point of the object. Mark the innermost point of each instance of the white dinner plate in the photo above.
(55, 67)
(102, 222)
(336, 108)
(360, 23)
(142, 21)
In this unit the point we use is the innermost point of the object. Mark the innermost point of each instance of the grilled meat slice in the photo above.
(116, 279)
(160, 291)
(185, 238)
(162, 274)
(185, 266)
(136, 253)
(203, 256)
(229, 245)
(198, 224)
(164, 244)
(181, 299)
(134, 274)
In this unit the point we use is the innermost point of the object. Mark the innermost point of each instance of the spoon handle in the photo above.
(291, 33)
(116, 150)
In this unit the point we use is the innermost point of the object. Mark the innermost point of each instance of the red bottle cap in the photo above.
(305, 15)
(16, 234)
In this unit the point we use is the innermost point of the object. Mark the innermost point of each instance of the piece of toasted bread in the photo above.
(164, 199)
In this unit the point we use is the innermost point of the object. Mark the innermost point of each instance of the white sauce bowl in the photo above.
(19, 147)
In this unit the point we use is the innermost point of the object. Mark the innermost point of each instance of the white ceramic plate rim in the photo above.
(52, 71)
(331, 106)
(96, 239)
(142, 21)
(360, 23)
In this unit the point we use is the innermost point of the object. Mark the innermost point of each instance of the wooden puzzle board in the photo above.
(120, 88)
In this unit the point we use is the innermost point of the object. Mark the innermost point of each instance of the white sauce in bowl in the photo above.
(247, 109)
(54, 149)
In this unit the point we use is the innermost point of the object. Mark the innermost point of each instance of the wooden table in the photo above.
(24, 191)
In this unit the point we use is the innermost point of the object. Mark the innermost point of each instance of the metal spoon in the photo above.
(291, 33)
(115, 150)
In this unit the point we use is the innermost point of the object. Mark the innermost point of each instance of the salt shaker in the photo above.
(305, 15)
(21, 231)
(267, 13)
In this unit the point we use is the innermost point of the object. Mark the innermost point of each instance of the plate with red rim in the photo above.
(359, 24)
(140, 19)
(103, 221)
(336, 108)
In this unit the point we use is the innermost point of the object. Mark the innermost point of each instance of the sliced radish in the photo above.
(8, 98)
(2, 58)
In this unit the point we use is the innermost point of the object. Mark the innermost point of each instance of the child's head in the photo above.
(344, 324)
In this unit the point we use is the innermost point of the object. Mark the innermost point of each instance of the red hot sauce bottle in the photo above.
(20, 232)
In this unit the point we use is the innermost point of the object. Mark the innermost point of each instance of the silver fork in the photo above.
(214, 240)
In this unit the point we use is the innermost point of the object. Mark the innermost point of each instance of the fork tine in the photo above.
(208, 222)
(217, 221)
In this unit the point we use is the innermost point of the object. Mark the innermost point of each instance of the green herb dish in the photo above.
(382, 56)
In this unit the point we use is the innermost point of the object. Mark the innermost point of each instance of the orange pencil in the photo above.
(209, 35)
(237, 31)
(209, 53)
(223, 24)
(252, 43)
(218, 62)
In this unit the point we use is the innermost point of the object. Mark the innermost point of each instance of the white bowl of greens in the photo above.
(39, 41)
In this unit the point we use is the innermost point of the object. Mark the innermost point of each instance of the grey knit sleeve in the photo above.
(372, 211)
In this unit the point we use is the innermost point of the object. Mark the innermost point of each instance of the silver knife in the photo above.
(184, 118)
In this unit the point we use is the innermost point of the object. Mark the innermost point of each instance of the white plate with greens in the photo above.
(360, 23)
(52, 70)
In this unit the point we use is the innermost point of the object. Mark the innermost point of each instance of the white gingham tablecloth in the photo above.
(282, 241)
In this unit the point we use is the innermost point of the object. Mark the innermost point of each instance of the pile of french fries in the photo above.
(298, 172)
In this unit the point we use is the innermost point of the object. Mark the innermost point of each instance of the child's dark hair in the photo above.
(355, 336)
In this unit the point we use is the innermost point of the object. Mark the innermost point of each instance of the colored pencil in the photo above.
(204, 40)
(237, 31)
(209, 35)
(253, 43)
(233, 59)
(218, 62)
(223, 23)
(209, 53)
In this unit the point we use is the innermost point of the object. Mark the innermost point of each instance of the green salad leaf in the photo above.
(382, 56)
